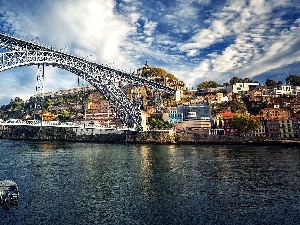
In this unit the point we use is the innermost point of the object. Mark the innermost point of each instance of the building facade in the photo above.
(240, 88)
(275, 113)
(195, 111)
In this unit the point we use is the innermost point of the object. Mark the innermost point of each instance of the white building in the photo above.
(285, 90)
(240, 88)
(178, 95)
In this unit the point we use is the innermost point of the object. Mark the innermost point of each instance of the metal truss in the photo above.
(102, 77)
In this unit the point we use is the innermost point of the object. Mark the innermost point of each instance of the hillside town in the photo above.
(274, 106)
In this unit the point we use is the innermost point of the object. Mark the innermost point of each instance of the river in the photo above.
(89, 183)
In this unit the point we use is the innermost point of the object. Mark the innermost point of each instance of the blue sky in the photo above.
(196, 40)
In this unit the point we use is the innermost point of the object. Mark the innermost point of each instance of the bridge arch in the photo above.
(127, 111)
(100, 76)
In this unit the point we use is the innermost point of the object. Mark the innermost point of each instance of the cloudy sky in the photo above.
(196, 40)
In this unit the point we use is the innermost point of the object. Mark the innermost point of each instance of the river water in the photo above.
(88, 183)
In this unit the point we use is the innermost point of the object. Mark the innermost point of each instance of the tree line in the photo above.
(293, 80)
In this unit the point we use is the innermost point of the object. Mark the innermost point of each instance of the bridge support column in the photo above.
(39, 95)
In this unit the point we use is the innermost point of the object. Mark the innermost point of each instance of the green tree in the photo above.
(247, 80)
(154, 72)
(15, 109)
(235, 80)
(207, 84)
(279, 83)
(171, 76)
(64, 115)
(159, 124)
(238, 106)
(246, 124)
(270, 83)
(293, 80)
(16, 104)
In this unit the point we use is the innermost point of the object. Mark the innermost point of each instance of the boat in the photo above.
(9, 191)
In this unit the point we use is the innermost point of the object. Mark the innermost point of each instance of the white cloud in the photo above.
(257, 47)
(85, 27)
(149, 27)
(132, 31)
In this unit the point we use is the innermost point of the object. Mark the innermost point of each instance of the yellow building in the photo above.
(47, 116)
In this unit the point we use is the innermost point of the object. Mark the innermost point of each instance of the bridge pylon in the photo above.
(39, 93)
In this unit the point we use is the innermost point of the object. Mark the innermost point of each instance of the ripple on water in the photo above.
(83, 183)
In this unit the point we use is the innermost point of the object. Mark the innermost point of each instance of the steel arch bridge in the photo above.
(102, 77)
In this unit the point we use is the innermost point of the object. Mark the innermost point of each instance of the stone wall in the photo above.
(156, 137)
(55, 134)
(160, 137)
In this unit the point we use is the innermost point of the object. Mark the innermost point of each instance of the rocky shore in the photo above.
(154, 137)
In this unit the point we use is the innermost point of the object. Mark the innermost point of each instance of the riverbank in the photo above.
(153, 137)
(158, 137)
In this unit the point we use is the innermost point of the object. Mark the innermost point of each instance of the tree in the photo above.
(235, 80)
(247, 80)
(244, 123)
(207, 84)
(293, 80)
(15, 109)
(171, 76)
(279, 83)
(159, 72)
(238, 106)
(154, 72)
(270, 83)
(159, 124)
(16, 104)
(64, 115)
(226, 84)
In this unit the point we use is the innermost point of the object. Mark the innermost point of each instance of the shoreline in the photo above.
(286, 143)
(147, 137)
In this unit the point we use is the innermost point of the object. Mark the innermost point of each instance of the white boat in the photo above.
(9, 191)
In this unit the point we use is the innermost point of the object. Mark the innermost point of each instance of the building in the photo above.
(221, 98)
(222, 121)
(275, 113)
(285, 90)
(178, 95)
(288, 128)
(195, 111)
(219, 118)
(272, 128)
(47, 116)
(172, 115)
(256, 95)
(240, 88)
(261, 131)
(201, 126)
(228, 130)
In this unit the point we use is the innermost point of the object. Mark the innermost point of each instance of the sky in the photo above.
(195, 40)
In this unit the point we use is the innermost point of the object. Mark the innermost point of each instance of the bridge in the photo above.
(102, 77)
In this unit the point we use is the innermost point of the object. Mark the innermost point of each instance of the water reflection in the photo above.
(146, 169)
(84, 183)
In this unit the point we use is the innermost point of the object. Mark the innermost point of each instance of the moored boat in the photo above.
(9, 191)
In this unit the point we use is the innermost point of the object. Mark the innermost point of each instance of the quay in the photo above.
(53, 131)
